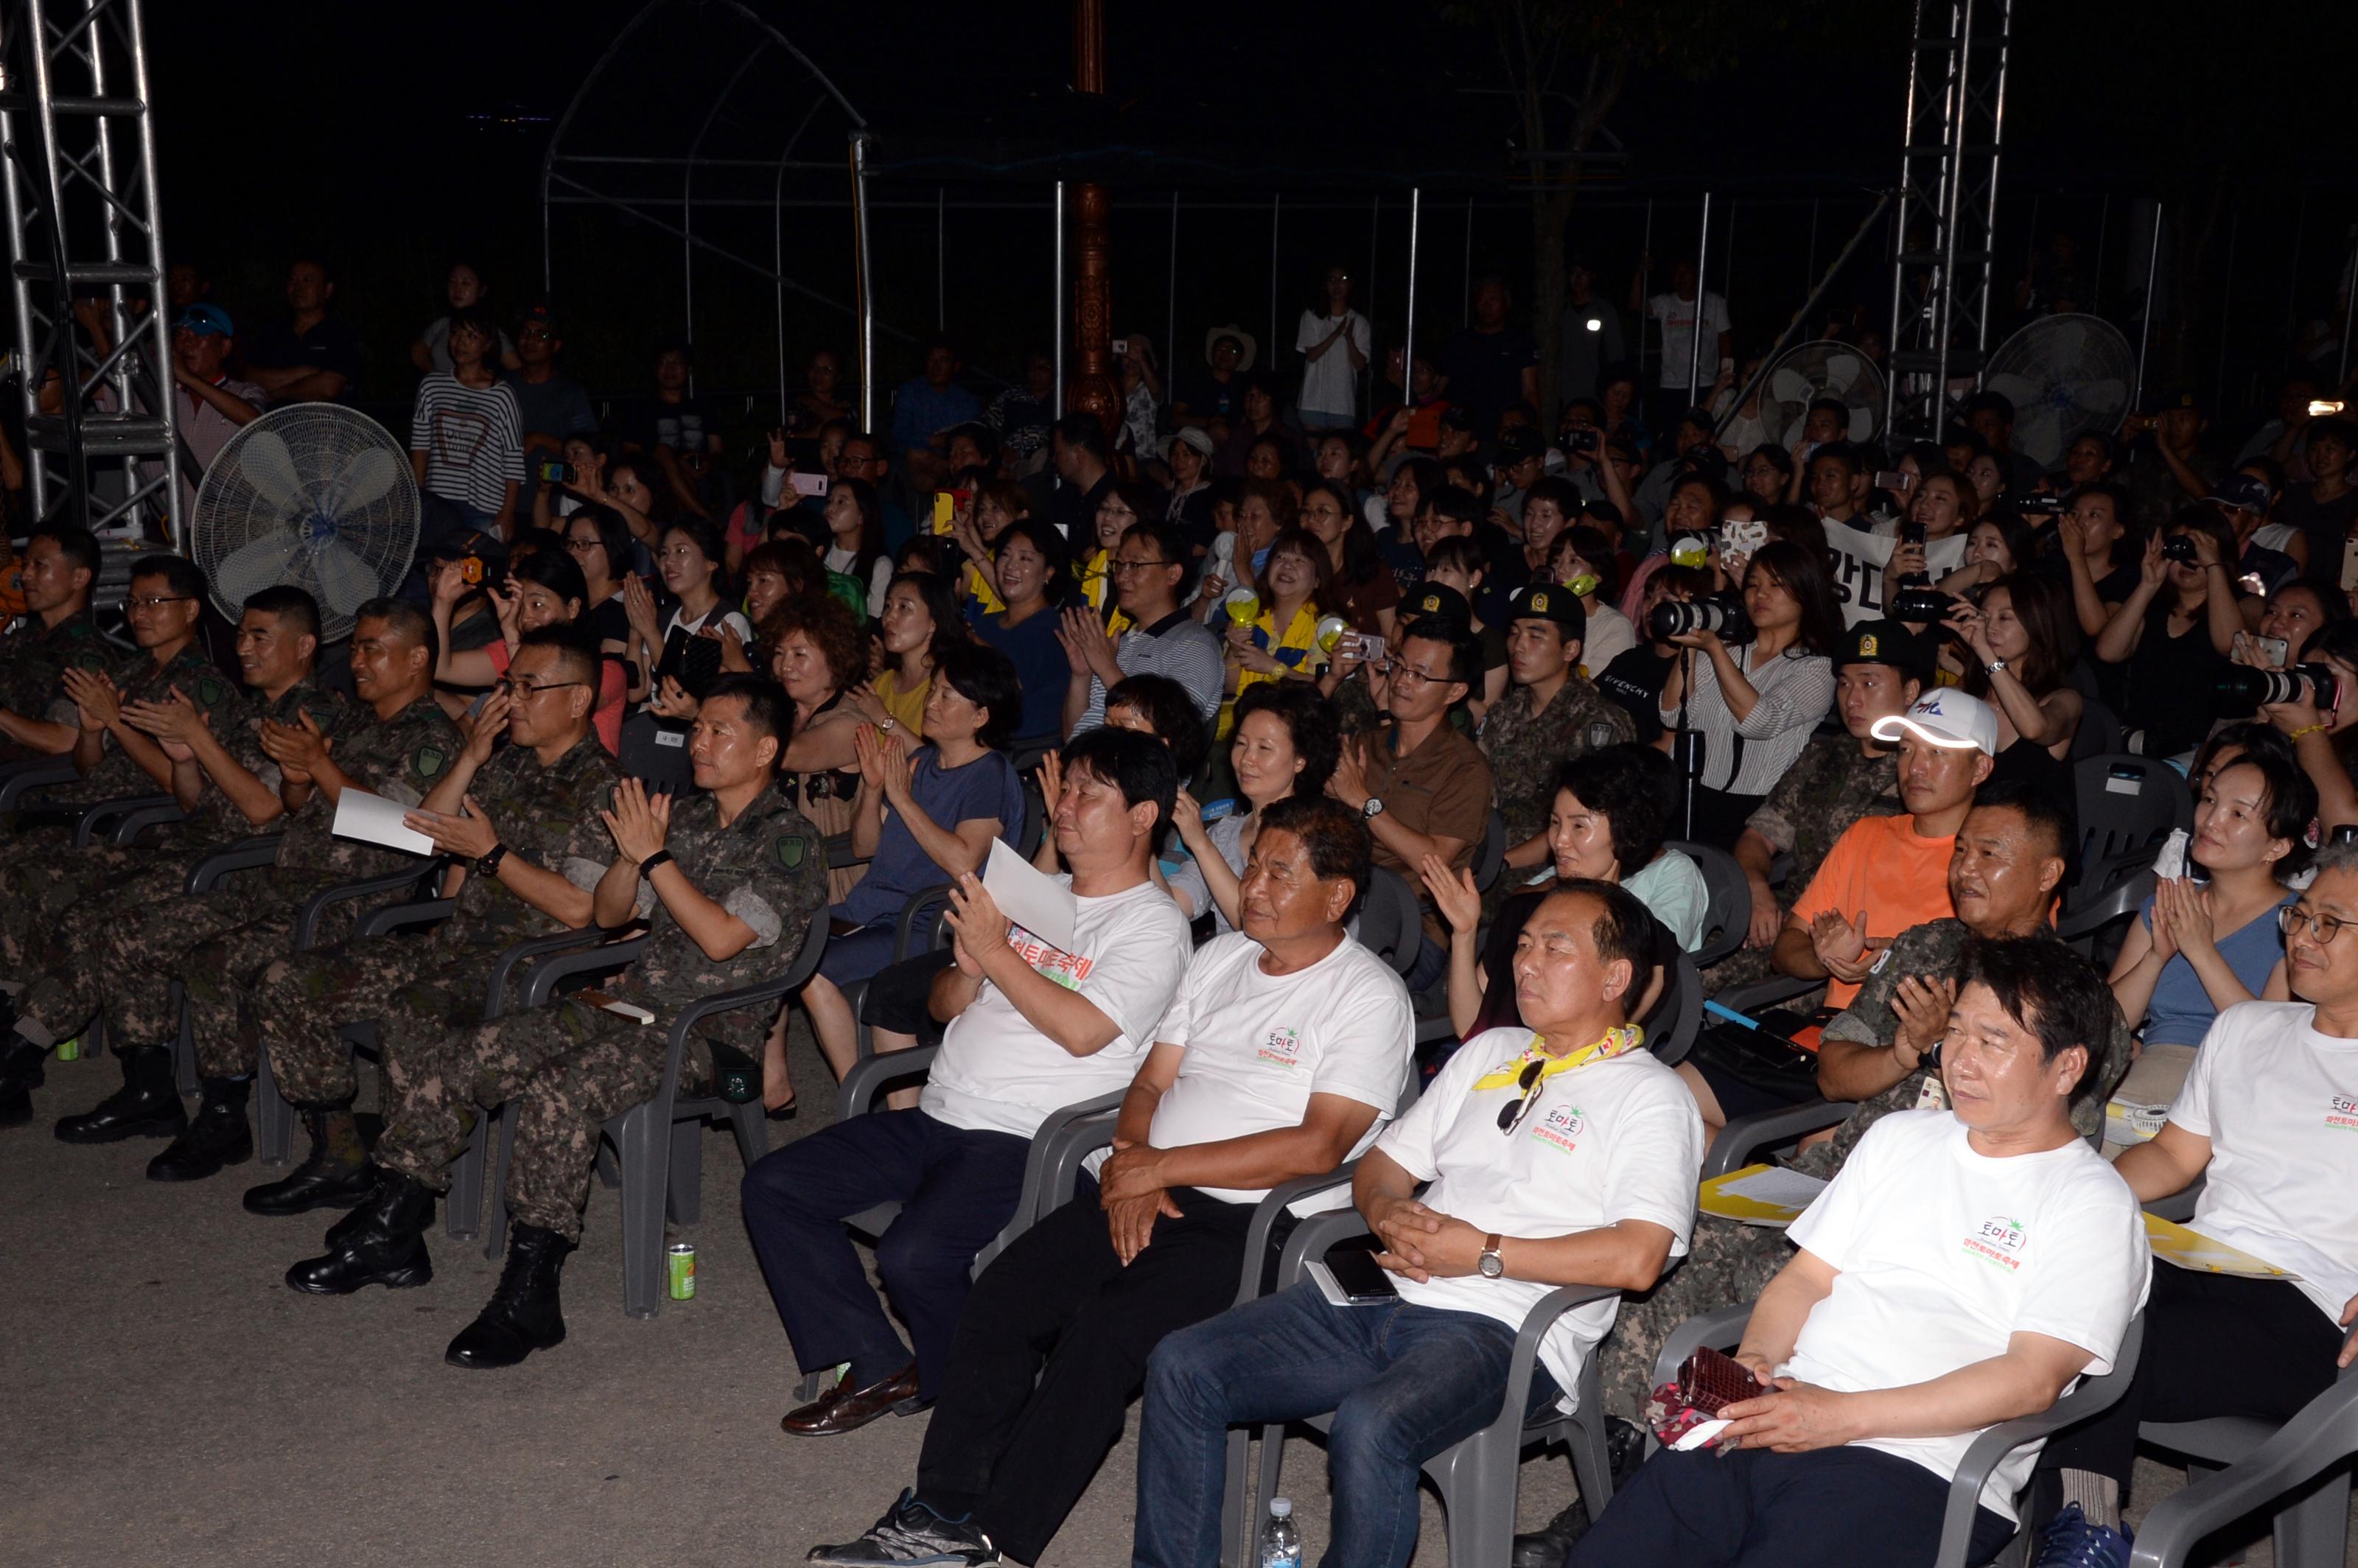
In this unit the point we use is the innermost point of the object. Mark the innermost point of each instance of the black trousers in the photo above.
(1052, 1347)
(2214, 1345)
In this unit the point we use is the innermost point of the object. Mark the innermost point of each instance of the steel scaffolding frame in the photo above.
(85, 225)
(1944, 226)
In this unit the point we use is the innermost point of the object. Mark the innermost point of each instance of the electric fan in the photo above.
(2065, 376)
(311, 496)
(1807, 371)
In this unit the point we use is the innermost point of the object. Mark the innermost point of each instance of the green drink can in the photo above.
(70, 1050)
(681, 1258)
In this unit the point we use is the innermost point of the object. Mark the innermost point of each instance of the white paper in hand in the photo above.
(373, 820)
(1029, 897)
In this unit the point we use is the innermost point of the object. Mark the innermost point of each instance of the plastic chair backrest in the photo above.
(1729, 913)
(2128, 806)
(1391, 924)
(1491, 858)
(1036, 818)
(655, 752)
(2099, 733)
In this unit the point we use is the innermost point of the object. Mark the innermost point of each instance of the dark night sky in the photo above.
(395, 136)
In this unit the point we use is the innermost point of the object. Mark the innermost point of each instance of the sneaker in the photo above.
(910, 1533)
(2072, 1542)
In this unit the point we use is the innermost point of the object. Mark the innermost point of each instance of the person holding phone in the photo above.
(1558, 1152)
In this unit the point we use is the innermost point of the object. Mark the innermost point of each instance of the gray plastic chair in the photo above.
(658, 1142)
(1389, 924)
(2127, 805)
(1747, 1136)
(1491, 858)
(2300, 1467)
(1724, 1330)
(1477, 1477)
(18, 780)
(1729, 914)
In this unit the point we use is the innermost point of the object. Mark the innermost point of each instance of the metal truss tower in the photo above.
(85, 234)
(1943, 250)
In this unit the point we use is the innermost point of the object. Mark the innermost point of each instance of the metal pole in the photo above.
(1274, 199)
(1171, 317)
(864, 281)
(1703, 270)
(941, 261)
(2349, 301)
(1058, 274)
(2145, 316)
(1408, 341)
(777, 281)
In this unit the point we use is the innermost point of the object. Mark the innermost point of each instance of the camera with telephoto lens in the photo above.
(1920, 604)
(2178, 547)
(2315, 684)
(1681, 618)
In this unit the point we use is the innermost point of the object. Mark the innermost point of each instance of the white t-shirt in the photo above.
(1259, 1046)
(998, 1074)
(1329, 384)
(733, 619)
(1613, 1140)
(2279, 1103)
(1677, 316)
(1609, 636)
(1942, 1254)
(1859, 555)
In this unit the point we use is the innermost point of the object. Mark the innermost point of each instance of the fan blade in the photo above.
(1862, 423)
(2102, 400)
(370, 473)
(1841, 371)
(2065, 345)
(1787, 385)
(346, 580)
(255, 566)
(2018, 389)
(269, 467)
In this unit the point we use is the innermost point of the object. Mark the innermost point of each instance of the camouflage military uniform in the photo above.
(398, 758)
(546, 816)
(89, 952)
(571, 1065)
(1526, 748)
(1830, 785)
(34, 659)
(45, 873)
(1728, 1262)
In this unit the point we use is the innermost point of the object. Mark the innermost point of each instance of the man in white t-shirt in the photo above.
(1032, 1029)
(2269, 1114)
(1558, 1153)
(1285, 1049)
(1963, 1270)
(1676, 313)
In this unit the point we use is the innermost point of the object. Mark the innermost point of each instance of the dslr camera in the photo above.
(1581, 441)
(1681, 618)
(2259, 688)
(1918, 603)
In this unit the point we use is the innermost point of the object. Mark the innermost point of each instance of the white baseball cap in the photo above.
(1945, 717)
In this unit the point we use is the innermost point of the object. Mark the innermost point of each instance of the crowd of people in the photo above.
(1601, 701)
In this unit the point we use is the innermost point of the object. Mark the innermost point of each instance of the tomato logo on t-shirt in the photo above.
(1283, 1047)
(2345, 1113)
(1999, 1240)
(1561, 1128)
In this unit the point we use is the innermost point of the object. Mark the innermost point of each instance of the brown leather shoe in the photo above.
(846, 1409)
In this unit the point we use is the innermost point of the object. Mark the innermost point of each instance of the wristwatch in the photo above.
(488, 863)
(1373, 810)
(1995, 666)
(1491, 1265)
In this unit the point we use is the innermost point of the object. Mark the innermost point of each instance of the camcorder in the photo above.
(1682, 618)
(2316, 684)
(1921, 603)
(1581, 441)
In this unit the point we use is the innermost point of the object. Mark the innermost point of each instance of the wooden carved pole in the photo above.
(1092, 388)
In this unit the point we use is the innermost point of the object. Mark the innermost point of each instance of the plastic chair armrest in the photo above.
(138, 821)
(931, 898)
(600, 959)
(865, 1084)
(1267, 1213)
(246, 855)
(1740, 1137)
(1750, 998)
(394, 916)
(315, 909)
(1312, 1237)
(1722, 1330)
(1528, 1340)
(503, 967)
(37, 773)
(94, 818)
(2323, 1434)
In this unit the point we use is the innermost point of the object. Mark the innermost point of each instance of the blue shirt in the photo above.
(919, 409)
(1040, 664)
(2179, 1012)
(985, 787)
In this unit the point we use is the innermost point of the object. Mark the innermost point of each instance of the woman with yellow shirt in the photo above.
(1122, 505)
(975, 530)
(920, 619)
(1281, 642)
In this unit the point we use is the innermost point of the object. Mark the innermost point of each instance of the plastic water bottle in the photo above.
(1281, 1543)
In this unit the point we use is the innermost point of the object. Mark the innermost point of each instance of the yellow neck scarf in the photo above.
(1616, 1041)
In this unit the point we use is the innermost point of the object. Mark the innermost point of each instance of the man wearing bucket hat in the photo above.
(1548, 716)
(1217, 397)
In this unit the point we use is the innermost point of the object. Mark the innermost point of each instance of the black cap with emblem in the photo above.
(1550, 602)
(1440, 599)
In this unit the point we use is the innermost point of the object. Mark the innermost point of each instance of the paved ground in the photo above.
(167, 1397)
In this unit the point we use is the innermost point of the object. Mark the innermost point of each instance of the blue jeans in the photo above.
(1405, 1383)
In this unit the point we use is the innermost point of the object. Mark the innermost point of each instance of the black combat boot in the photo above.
(385, 1245)
(336, 1173)
(20, 1075)
(524, 1315)
(218, 1136)
(146, 1106)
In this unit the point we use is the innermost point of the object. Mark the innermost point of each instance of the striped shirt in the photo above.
(472, 439)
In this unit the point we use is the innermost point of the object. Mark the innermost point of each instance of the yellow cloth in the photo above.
(1301, 641)
(907, 708)
(1096, 578)
(978, 588)
(1623, 1038)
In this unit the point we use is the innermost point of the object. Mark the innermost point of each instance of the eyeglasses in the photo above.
(1410, 674)
(518, 688)
(156, 602)
(2322, 928)
(1139, 565)
(1512, 1116)
(579, 545)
